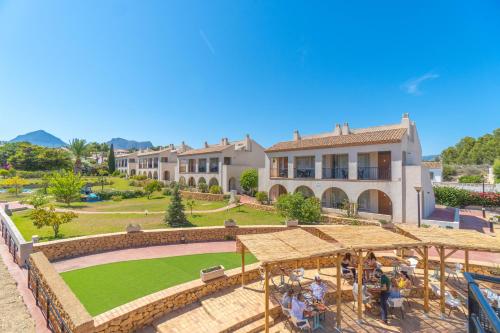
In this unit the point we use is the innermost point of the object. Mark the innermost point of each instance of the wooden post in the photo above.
(319, 265)
(242, 265)
(266, 295)
(339, 292)
(466, 261)
(441, 278)
(360, 285)
(426, 279)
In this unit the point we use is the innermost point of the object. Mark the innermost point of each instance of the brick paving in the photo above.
(144, 253)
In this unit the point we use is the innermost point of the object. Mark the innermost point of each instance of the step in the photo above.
(256, 326)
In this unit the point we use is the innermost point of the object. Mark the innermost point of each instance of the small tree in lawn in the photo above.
(296, 207)
(66, 186)
(190, 204)
(151, 187)
(37, 200)
(175, 213)
(101, 178)
(48, 217)
(249, 180)
(111, 159)
(4, 173)
(17, 184)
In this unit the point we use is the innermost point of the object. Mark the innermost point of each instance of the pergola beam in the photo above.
(466, 254)
(266, 297)
(442, 280)
(450, 253)
(360, 285)
(339, 292)
(426, 278)
(242, 265)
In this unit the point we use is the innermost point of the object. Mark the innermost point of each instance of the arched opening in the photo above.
(276, 191)
(333, 198)
(182, 181)
(213, 182)
(191, 182)
(202, 180)
(132, 172)
(150, 175)
(306, 191)
(166, 175)
(232, 184)
(155, 175)
(375, 201)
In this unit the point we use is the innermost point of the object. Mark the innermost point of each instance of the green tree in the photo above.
(151, 187)
(296, 207)
(175, 216)
(79, 149)
(66, 186)
(483, 150)
(101, 178)
(190, 204)
(111, 160)
(496, 170)
(249, 180)
(48, 217)
(4, 173)
(16, 183)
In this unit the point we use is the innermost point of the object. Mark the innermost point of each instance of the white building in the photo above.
(377, 168)
(435, 170)
(219, 164)
(154, 164)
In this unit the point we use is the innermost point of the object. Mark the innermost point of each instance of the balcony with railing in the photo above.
(374, 173)
(304, 173)
(335, 173)
(279, 173)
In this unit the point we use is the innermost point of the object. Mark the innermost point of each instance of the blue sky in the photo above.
(168, 71)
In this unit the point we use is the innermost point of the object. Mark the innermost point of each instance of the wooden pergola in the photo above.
(363, 239)
(285, 247)
(448, 239)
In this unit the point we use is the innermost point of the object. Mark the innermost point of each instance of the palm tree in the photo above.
(79, 149)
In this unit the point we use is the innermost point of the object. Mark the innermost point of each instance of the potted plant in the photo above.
(211, 273)
(229, 223)
(292, 223)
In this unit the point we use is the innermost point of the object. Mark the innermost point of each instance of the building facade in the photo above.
(376, 170)
(158, 164)
(219, 164)
(435, 171)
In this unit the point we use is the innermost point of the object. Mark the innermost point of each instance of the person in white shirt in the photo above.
(298, 307)
(286, 300)
(318, 289)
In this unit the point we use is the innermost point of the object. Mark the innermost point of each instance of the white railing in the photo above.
(474, 187)
(18, 246)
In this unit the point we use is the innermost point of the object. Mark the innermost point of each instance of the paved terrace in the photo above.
(242, 310)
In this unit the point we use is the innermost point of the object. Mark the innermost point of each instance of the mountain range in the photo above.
(42, 138)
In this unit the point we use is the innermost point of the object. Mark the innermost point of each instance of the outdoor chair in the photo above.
(452, 302)
(296, 276)
(454, 272)
(262, 274)
(300, 325)
(406, 295)
(396, 303)
(366, 298)
(408, 269)
(346, 275)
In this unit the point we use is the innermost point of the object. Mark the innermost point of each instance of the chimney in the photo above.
(405, 120)
(206, 144)
(248, 143)
(296, 135)
(171, 146)
(222, 141)
(345, 129)
(337, 130)
(183, 146)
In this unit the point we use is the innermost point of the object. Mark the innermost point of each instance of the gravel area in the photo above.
(14, 316)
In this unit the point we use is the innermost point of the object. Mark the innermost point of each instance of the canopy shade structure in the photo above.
(368, 238)
(454, 238)
(287, 245)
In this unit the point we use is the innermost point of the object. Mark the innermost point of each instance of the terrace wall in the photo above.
(202, 196)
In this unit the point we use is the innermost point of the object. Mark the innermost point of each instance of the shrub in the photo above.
(139, 177)
(296, 207)
(496, 170)
(261, 197)
(167, 191)
(249, 180)
(151, 187)
(215, 189)
(471, 179)
(116, 173)
(116, 198)
(450, 196)
(448, 172)
(203, 187)
(107, 195)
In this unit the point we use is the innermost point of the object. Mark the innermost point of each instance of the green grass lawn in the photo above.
(5, 196)
(104, 287)
(87, 224)
(157, 203)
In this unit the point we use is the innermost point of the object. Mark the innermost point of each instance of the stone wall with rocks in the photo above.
(202, 196)
(49, 288)
(267, 208)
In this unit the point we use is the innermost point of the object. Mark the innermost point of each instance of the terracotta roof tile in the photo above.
(432, 164)
(207, 150)
(355, 139)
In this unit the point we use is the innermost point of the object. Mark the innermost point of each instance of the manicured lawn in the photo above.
(92, 224)
(157, 203)
(104, 287)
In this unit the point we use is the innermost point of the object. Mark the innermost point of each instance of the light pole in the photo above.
(418, 189)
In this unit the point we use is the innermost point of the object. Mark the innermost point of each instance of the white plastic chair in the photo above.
(396, 303)
(365, 296)
(452, 302)
(296, 276)
(455, 273)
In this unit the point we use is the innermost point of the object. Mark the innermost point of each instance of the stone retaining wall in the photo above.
(329, 219)
(50, 287)
(202, 196)
(267, 208)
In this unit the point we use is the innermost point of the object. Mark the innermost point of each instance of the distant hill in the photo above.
(119, 143)
(40, 138)
(430, 158)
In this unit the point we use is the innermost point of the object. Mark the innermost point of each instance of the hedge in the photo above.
(454, 197)
(107, 195)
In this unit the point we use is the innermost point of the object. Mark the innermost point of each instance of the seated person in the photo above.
(286, 300)
(318, 289)
(404, 281)
(370, 265)
(299, 308)
(394, 289)
(347, 264)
